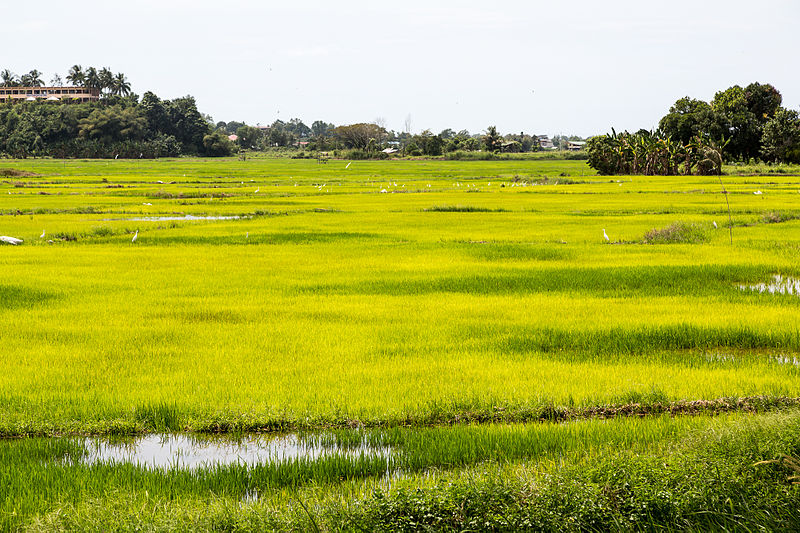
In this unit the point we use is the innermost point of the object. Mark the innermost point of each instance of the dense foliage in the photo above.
(114, 126)
(695, 136)
(750, 120)
(652, 154)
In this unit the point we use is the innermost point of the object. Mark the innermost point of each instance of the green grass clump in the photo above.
(676, 233)
(461, 209)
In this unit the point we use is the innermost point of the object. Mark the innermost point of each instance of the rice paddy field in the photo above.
(445, 345)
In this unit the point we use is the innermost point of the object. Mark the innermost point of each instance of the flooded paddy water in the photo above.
(187, 452)
(777, 285)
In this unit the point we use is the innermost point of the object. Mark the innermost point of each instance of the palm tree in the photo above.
(120, 85)
(32, 79)
(56, 81)
(76, 76)
(492, 139)
(106, 78)
(91, 79)
(9, 78)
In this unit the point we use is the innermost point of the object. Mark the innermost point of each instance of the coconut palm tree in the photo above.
(9, 79)
(106, 78)
(32, 79)
(76, 76)
(120, 85)
(91, 78)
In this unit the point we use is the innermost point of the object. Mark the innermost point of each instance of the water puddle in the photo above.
(189, 452)
(173, 217)
(778, 285)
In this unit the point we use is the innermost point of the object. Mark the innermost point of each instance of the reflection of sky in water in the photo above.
(182, 451)
(778, 285)
(184, 217)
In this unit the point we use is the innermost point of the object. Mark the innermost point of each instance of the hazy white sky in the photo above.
(551, 67)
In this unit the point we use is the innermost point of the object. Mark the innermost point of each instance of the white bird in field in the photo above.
(135, 235)
(348, 165)
(757, 192)
(10, 240)
(715, 224)
(258, 189)
(42, 235)
(605, 236)
(247, 235)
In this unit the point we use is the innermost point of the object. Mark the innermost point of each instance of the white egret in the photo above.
(10, 240)
(247, 235)
(42, 235)
(605, 236)
(348, 165)
(135, 235)
(757, 193)
(258, 189)
(715, 224)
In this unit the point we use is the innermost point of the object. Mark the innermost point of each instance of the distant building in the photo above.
(545, 143)
(52, 94)
(574, 146)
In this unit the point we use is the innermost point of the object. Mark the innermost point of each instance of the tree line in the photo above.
(118, 124)
(102, 79)
(114, 126)
(695, 137)
(370, 139)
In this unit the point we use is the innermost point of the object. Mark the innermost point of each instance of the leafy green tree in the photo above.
(781, 139)
(156, 114)
(492, 140)
(113, 124)
(231, 127)
(216, 144)
(763, 100)
(186, 123)
(320, 128)
(249, 136)
(742, 114)
(359, 135)
(688, 118)
(428, 143)
(296, 127)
